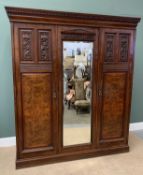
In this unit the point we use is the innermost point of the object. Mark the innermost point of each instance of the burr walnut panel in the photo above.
(114, 90)
(37, 114)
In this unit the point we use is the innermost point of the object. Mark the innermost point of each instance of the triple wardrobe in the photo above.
(72, 84)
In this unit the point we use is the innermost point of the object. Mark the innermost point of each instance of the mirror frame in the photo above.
(79, 34)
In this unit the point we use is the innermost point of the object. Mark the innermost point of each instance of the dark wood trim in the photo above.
(83, 34)
(60, 17)
(37, 69)
(24, 163)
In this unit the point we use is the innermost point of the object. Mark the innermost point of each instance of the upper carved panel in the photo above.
(124, 45)
(109, 52)
(26, 45)
(44, 46)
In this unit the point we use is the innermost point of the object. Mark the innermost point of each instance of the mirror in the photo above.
(77, 92)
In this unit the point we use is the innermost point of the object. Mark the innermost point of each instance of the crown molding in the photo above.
(26, 14)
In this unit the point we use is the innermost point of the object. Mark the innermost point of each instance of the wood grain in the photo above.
(37, 37)
(37, 114)
(114, 90)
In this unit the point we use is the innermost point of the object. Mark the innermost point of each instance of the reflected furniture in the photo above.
(80, 96)
(37, 37)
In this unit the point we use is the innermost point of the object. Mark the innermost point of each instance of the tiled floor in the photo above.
(139, 133)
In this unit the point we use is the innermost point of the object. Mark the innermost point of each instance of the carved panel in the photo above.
(37, 114)
(44, 46)
(113, 105)
(26, 40)
(109, 52)
(124, 45)
(78, 37)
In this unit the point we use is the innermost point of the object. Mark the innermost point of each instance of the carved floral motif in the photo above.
(44, 46)
(124, 44)
(109, 48)
(26, 42)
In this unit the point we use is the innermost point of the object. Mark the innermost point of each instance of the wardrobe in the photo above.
(40, 40)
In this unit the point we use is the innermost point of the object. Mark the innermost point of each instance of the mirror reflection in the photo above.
(77, 92)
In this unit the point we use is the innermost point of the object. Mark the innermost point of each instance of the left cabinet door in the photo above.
(35, 85)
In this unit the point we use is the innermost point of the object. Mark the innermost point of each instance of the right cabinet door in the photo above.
(116, 51)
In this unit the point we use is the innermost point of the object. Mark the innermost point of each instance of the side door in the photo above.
(34, 68)
(116, 66)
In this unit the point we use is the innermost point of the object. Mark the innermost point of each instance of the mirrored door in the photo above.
(77, 92)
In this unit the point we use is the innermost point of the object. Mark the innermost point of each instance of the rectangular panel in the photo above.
(117, 46)
(26, 44)
(37, 106)
(123, 47)
(114, 91)
(44, 44)
(109, 47)
(47, 67)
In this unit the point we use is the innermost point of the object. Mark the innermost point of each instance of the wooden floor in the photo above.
(120, 164)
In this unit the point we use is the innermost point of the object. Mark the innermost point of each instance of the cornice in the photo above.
(15, 13)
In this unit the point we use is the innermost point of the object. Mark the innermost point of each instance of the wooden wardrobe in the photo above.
(37, 37)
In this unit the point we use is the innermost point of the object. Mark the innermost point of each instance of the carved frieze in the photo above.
(78, 37)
